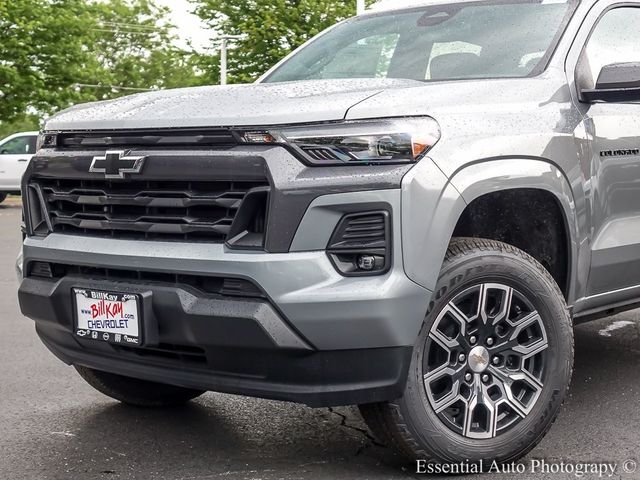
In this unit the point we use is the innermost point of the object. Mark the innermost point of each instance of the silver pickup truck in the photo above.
(407, 214)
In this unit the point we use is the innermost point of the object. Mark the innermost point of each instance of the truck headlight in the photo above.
(375, 142)
(47, 140)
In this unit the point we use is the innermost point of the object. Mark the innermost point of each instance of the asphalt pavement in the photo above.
(54, 426)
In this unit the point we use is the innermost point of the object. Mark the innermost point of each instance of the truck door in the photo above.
(614, 129)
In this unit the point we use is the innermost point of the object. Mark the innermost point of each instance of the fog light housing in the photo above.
(361, 244)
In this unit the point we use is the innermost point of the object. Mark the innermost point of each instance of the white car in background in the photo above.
(15, 153)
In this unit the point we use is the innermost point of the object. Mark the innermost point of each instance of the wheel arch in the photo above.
(432, 209)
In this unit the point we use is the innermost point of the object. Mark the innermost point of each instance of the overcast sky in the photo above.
(189, 26)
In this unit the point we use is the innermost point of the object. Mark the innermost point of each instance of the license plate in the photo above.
(107, 316)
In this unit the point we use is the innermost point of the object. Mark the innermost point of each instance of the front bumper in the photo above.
(234, 346)
(316, 337)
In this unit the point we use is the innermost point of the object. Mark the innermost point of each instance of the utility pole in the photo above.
(360, 6)
(224, 46)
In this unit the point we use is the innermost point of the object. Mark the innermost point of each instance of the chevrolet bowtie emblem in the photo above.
(115, 164)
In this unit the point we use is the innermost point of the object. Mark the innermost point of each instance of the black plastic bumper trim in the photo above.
(318, 379)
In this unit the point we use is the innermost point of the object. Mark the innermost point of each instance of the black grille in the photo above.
(361, 244)
(181, 210)
(147, 138)
(225, 286)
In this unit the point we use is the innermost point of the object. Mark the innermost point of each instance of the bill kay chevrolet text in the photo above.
(407, 214)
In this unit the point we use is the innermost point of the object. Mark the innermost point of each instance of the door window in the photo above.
(19, 146)
(614, 40)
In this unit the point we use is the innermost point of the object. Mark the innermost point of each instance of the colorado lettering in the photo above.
(620, 153)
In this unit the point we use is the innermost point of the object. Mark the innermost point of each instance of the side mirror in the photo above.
(618, 82)
(3, 152)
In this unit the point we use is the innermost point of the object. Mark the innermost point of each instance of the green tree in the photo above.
(42, 53)
(24, 123)
(135, 48)
(55, 53)
(271, 29)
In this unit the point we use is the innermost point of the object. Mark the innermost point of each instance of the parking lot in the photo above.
(53, 426)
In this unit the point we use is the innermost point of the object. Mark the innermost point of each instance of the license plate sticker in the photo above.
(106, 316)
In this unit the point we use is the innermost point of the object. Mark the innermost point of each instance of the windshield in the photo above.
(508, 38)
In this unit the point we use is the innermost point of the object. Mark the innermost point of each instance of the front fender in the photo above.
(432, 205)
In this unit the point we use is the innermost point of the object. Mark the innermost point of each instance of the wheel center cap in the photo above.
(478, 359)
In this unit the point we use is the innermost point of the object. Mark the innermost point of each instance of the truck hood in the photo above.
(236, 105)
(455, 99)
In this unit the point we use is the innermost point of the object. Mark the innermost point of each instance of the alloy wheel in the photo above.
(484, 362)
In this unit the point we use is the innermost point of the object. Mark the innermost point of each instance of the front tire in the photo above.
(3, 197)
(492, 364)
(139, 393)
